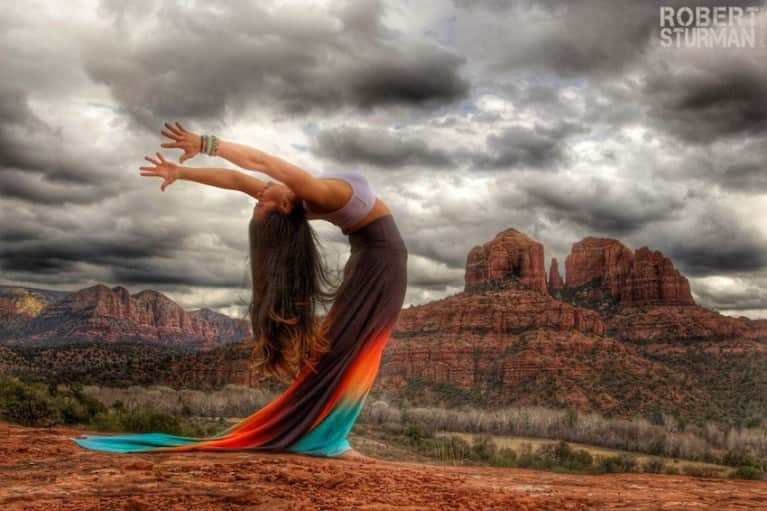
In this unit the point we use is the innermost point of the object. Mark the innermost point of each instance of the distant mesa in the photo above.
(107, 315)
(597, 269)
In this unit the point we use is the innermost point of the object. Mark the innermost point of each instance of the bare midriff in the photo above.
(379, 210)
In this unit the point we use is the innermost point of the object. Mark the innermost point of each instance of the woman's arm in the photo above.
(325, 194)
(223, 178)
(303, 184)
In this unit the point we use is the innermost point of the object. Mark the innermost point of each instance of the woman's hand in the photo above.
(164, 169)
(183, 139)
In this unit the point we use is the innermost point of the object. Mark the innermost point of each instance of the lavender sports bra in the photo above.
(361, 202)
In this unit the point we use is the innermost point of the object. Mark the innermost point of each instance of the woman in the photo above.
(333, 363)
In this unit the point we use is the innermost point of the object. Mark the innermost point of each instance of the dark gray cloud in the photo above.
(736, 165)
(746, 176)
(715, 242)
(568, 38)
(378, 147)
(37, 165)
(291, 60)
(37, 188)
(598, 205)
(712, 99)
(516, 146)
(133, 260)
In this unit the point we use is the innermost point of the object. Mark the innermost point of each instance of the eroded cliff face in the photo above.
(555, 282)
(100, 314)
(511, 256)
(608, 269)
(582, 341)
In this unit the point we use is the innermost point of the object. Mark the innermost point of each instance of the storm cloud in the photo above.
(560, 119)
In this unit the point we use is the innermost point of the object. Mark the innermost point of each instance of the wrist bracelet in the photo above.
(209, 145)
(214, 145)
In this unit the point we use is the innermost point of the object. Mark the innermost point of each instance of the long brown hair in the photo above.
(289, 283)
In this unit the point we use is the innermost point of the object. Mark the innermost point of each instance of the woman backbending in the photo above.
(332, 363)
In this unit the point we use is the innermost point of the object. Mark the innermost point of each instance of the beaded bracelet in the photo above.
(209, 144)
(214, 145)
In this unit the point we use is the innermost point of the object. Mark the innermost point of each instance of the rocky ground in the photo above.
(41, 469)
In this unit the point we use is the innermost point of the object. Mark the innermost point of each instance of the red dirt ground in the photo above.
(41, 469)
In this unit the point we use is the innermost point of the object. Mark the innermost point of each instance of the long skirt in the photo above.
(316, 412)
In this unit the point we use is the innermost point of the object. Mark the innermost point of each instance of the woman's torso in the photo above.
(378, 210)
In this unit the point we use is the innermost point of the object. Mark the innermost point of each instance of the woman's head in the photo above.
(289, 283)
(274, 196)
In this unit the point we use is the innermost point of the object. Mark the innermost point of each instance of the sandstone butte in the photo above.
(512, 326)
(42, 470)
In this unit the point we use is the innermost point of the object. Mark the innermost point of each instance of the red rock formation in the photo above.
(511, 255)
(555, 280)
(101, 314)
(631, 278)
(652, 279)
(597, 258)
(677, 323)
(497, 311)
(20, 305)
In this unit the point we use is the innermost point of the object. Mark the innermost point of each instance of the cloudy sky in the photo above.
(560, 119)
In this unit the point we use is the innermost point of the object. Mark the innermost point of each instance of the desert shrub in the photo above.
(526, 458)
(78, 407)
(140, 420)
(107, 421)
(483, 448)
(692, 470)
(653, 466)
(42, 405)
(28, 404)
(747, 472)
(451, 449)
(416, 434)
(617, 464)
(562, 455)
(740, 457)
(505, 457)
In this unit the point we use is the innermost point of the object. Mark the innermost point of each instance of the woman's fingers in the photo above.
(170, 145)
(172, 128)
(160, 156)
(150, 159)
(171, 135)
(168, 181)
(180, 128)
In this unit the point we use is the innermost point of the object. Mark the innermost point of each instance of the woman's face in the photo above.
(273, 196)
